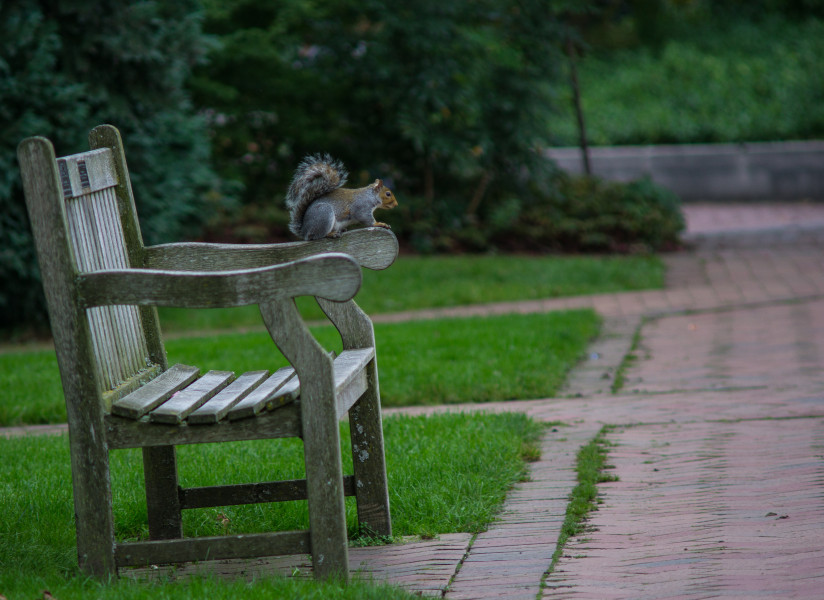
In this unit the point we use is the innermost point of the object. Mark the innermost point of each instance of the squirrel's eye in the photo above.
(388, 194)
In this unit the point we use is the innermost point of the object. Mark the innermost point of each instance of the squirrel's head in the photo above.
(386, 196)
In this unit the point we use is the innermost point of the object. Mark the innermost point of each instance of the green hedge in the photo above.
(587, 214)
(721, 81)
(68, 66)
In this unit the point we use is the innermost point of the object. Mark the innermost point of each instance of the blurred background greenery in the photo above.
(451, 102)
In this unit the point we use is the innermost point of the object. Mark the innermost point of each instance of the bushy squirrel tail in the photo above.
(316, 176)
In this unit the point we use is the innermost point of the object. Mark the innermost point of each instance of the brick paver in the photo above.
(718, 449)
(702, 510)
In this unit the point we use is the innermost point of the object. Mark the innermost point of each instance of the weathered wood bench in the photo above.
(102, 287)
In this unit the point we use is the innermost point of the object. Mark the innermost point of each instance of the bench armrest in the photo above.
(333, 276)
(374, 248)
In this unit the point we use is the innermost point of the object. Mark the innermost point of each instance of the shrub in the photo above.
(436, 97)
(587, 214)
(68, 66)
(566, 214)
(724, 81)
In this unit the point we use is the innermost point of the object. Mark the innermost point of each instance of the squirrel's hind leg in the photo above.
(318, 221)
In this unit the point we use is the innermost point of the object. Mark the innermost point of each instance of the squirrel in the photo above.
(319, 205)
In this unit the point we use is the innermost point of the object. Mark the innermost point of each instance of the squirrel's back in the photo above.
(316, 176)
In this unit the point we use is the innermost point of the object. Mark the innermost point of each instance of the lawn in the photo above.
(714, 82)
(447, 473)
(424, 362)
(417, 282)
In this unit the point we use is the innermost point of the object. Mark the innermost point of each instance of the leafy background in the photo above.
(451, 102)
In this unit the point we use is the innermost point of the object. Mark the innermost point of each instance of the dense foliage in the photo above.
(68, 66)
(587, 214)
(735, 72)
(450, 102)
(445, 100)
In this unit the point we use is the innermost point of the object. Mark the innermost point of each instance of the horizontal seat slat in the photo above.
(182, 403)
(215, 395)
(154, 393)
(219, 405)
(279, 389)
(350, 363)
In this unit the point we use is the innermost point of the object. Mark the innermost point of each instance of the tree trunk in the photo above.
(576, 98)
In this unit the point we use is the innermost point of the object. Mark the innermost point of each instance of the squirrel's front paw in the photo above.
(379, 224)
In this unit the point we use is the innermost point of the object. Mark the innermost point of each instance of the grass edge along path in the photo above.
(591, 464)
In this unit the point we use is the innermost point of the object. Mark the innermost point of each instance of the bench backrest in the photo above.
(83, 219)
(88, 181)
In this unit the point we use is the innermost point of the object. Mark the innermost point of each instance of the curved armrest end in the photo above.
(374, 248)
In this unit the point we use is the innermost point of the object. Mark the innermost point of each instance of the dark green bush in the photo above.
(587, 214)
(729, 80)
(67, 66)
(566, 214)
(439, 97)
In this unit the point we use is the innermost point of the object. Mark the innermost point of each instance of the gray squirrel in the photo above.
(319, 205)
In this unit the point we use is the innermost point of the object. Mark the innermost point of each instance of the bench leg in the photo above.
(94, 520)
(368, 459)
(321, 437)
(324, 481)
(162, 499)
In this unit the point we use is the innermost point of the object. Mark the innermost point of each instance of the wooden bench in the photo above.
(102, 287)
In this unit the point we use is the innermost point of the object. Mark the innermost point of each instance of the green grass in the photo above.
(425, 362)
(447, 473)
(716, 82)
(590, 466)
(416, 282)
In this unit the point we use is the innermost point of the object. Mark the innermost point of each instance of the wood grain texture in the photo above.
(373, 248)
(252, 493)
(86, 173)
(75, 357)
(279, 389)
(332, 276)
(123, 432)
(128, 386)
(154, 393)
(98, 244)
(365, 421)
(184, 402)
(217, 407)
(107, 136)
(162, 499)
(191, 549)
(321, 436)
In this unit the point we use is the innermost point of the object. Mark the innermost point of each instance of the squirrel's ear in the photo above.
(378, 184)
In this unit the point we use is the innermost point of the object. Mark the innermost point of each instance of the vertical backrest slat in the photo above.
(83, 253)
(111, 254)
(98, 243)
(126, 318)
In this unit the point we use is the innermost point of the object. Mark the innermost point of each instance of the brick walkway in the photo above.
(719, 448)
(718, 444)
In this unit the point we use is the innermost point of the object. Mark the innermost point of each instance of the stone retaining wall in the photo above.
(713, 172)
